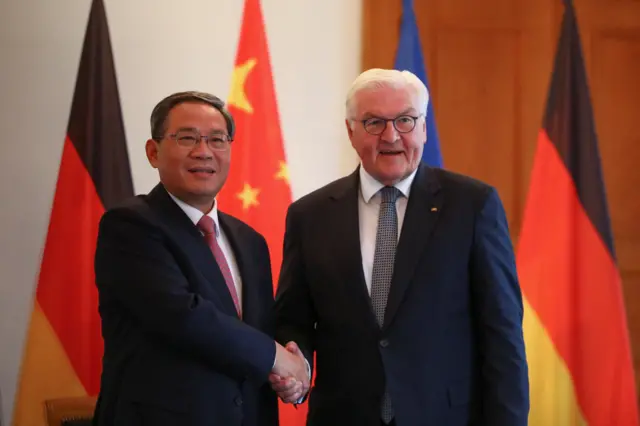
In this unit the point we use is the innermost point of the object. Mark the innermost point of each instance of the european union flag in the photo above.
(409, 57)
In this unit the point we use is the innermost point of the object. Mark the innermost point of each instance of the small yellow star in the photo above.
(238, 96)
(248, 196)
(283, 172)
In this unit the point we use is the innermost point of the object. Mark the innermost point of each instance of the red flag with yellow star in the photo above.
(257, 190)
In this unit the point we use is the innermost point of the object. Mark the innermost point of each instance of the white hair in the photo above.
(375, 78)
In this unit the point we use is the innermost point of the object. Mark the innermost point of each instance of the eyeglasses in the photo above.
(402, 123)
(217, 141)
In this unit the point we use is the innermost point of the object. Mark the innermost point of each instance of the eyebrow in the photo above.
(193, 129)
(368, 115)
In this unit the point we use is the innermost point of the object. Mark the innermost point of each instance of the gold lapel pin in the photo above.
(434, 209)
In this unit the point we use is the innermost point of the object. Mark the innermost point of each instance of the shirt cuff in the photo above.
(308, 368)
(308, 374)
(275, 354)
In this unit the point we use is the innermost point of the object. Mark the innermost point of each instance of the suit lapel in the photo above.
(242, 254)
(192, 242)
(423, 210)
(346, 244)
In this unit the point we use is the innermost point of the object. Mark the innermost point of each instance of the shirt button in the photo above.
(384, 343)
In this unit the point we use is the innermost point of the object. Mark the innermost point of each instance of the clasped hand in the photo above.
(290, 376)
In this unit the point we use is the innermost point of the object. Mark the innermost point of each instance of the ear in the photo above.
(347, 123)
(151, 148)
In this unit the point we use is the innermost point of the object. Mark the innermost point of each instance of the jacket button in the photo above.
(238, 400)
(384, 343)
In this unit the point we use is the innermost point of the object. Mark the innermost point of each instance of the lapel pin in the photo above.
(434, 209)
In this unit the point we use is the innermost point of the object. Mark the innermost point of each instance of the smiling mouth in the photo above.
(205, 170)
(390, 152)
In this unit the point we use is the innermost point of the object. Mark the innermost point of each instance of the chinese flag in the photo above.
(576, 334)
(257, 190)
(64, 345)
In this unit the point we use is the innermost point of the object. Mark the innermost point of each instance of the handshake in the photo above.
(290, 376)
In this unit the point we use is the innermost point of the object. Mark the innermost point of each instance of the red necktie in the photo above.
(208, 228)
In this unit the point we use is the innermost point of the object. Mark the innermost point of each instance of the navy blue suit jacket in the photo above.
(176, 353)
(451, 350)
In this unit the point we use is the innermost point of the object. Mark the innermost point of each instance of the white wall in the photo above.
(159, 48)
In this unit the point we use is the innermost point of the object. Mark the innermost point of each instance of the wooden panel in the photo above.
(616, 14)
(493, 14)
(481, 135)
(489, 65)
(615, 85)
(380, 25)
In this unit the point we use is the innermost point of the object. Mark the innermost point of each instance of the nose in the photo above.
(390, 134)
(201, 150)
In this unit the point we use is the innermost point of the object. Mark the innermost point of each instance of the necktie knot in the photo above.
(207, 225)
(389, 194)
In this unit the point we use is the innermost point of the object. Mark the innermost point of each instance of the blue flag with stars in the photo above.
(409, 57)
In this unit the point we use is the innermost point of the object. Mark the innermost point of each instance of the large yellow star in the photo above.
(248, 196)
(283, 173)
(238, 96)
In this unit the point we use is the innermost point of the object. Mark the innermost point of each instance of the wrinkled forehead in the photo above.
(386, 102)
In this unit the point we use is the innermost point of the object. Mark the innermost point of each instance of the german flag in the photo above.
(64, 345)
(576, 334)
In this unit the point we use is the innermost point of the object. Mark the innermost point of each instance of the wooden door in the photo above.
(489, 64)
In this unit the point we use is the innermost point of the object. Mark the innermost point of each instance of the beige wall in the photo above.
(158, 48)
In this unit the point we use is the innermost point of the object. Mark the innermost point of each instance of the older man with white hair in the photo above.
(400, 279)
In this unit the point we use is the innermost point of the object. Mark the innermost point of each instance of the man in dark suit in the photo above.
(185, 290)
(401, 279)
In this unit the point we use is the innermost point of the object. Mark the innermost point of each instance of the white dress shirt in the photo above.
(369, 211)
(195, 215)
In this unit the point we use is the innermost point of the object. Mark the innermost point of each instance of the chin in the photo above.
(396, 174)
(389, 179)
(202, 190)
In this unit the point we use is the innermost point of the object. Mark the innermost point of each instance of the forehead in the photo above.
(386, 101)
(197, 115)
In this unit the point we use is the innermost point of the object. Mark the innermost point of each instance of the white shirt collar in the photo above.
(369, 186)
(195, 215)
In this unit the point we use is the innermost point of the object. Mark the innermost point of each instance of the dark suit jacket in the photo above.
(176, 353)
(451, 350)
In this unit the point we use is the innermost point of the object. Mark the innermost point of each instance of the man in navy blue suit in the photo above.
(401, 279)
(185, 290)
